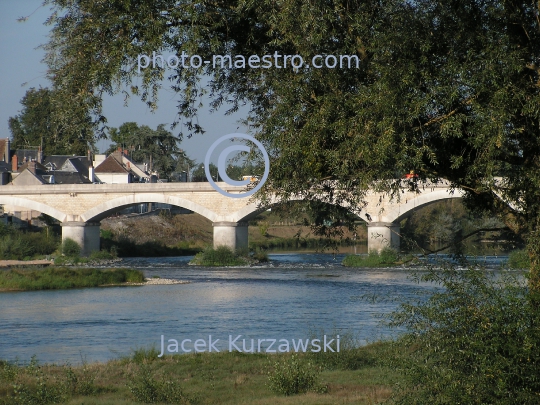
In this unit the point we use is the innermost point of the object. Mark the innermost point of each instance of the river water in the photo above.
(295, 296)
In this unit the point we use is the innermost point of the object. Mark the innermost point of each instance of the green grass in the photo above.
(204, 378)
(385, 258)
(55, 278)
(225, 256)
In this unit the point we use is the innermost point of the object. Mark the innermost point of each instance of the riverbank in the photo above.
(61, 278)
(354, 376)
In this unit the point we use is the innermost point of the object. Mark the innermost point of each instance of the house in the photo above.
(118, 168)
(35, 174)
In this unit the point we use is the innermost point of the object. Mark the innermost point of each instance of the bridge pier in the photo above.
(86, 234)
(383, 234)
(231, 234)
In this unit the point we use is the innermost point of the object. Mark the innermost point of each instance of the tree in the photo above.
(122, 136)
(199, 173)
(450, 89)
(184, 164)
(38, 124)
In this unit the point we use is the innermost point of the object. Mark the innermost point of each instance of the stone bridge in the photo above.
(80, 208)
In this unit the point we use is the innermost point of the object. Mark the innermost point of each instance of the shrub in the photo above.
(100, 255)
(221, 256)
(81, 382)
(145, 388)
(16, 244)
(38, 388)
(260, 256)
(519, 259)
(349, 357)
(70, 248)
(474, 341)
(63, 277)
(290, 376)
(388, 256)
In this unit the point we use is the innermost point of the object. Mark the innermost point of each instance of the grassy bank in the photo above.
(224, 256)
(353, 377)
(55, 278)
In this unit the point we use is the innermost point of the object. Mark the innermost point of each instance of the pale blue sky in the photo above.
(20, 62)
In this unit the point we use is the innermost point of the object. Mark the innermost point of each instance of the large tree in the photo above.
(449, 89)
(40, 123)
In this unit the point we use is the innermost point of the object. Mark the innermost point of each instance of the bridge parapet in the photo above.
(81, 207)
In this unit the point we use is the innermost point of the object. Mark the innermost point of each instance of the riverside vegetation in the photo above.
(473, 340)
(225, 256)
(53, 278)
(354, 375)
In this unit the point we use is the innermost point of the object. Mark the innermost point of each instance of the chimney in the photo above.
(40, 155)
(91, 173)
(89, 156)
(14, 163)
(7, 152)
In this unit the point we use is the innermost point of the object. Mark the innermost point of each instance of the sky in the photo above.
(21, 69)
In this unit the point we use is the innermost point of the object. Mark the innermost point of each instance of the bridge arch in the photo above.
(33, 206)
(401, 210)
(103, 210)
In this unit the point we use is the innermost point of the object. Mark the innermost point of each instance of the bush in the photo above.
(474, 341)
(519, 259)
(350, 356)
(70, 248)
(290, 376)
(19, 245)
(221, 256)
(63, 277)
(38, 388)
(145, 388)
(98, 255)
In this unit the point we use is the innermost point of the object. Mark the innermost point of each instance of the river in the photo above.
(295, 296)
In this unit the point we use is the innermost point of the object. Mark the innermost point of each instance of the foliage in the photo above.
(158, 148)
(447, 222)
(71, 248)
(39, 124)
(53, 278)
(291, 376)
(97, 255)
(385, 258)
(263, 228)
(199, 173)
(81, 382)
(475, 340)
(204, 378)
(351, 355)
(448, 89)
(44, 390)
(16, 244)
(519, 259)
(145, 388)
(220, 256)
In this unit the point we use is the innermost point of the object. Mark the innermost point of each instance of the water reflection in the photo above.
(288, 298)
